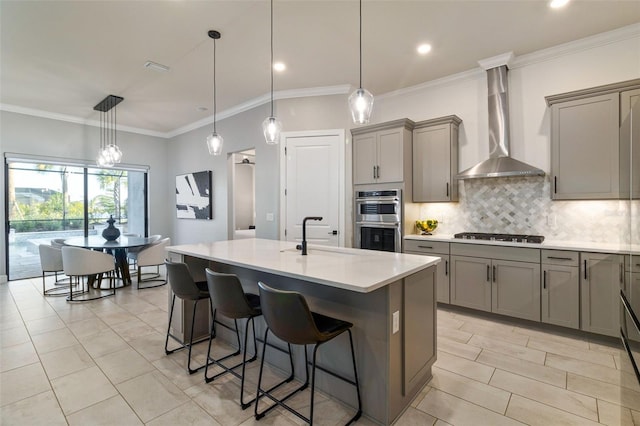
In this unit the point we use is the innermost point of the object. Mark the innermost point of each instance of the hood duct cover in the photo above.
(499, 164)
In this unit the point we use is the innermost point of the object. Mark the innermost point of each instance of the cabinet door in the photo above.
(470, 282)
(390, 156)
(601, 278)
(516, 289)
(561, 295)
(431, 164)
(585, 148)
(630, 143)
(364, 158)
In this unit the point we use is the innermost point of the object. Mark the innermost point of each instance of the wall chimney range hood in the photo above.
(499, 163)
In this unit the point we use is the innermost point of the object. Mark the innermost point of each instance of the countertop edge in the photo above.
(547, 244)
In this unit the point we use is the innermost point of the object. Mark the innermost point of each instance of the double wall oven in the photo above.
(378, 220)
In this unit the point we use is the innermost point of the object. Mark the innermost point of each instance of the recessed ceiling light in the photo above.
(556, 4)
(279, 66)
(156, 67)
(423, 49)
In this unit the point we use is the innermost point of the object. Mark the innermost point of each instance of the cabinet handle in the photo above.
(555, 184)
(446, 267)
(374, 172)
(494, 273)
(621, 273)
(378, 172)
(447, 189)
(427, 247)
(585, 269)
(559, 258)
(488, 273)
(544, 280)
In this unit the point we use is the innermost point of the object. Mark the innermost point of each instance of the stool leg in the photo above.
(355, 374)
(193, 322)
(313, 380)
(257, 415)
(244, 405)
(166, 342)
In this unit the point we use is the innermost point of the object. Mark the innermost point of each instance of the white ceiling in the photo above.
(64, 57)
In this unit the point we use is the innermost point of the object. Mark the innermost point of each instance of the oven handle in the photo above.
(377, 200)
(380, 224)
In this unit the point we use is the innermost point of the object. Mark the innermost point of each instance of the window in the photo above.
(46, 201)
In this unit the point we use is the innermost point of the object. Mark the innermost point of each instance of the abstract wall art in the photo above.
(194, 195)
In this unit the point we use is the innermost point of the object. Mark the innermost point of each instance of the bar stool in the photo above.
(231, 301)
(184, 287)
(288, 317)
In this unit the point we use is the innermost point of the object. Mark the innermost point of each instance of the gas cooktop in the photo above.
(516, 238)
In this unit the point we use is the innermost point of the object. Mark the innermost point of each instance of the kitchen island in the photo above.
(389, 297)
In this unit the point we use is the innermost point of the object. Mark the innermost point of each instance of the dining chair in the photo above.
(51, 262)
(79, 263)
(132, 253)
(152, 255)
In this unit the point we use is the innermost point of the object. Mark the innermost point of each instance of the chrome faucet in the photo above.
(304, 232)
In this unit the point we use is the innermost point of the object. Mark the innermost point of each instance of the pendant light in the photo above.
(109, 153)
(271, 126)
(361, 101)
(214, 140)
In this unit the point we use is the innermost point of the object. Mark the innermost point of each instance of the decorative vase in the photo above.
(111, 233)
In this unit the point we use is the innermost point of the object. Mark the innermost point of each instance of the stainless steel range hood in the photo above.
(499, 164)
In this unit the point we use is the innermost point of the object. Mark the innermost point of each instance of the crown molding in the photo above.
(575, 46)
(435, 83)
(73, 119)
(261, 100)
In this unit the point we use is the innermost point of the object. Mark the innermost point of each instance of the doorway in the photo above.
(243, 192)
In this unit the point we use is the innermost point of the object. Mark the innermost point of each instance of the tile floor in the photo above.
(102, 362)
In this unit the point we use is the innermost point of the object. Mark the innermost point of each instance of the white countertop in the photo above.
(350, 269)
(615, 248)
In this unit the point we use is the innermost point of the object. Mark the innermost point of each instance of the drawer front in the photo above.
(426, 247)
(632, 263)
(517, 254)
(560, 257)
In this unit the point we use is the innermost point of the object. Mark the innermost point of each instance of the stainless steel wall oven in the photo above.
(378, 220)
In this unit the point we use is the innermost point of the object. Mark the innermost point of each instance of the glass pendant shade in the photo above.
(361, 106)
(271, 128)
(214, 143)
(115, 153)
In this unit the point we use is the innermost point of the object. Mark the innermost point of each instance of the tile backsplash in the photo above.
(522, 205)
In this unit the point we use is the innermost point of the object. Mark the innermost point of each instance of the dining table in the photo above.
(116, 247)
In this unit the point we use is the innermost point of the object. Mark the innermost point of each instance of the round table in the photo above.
(118, 248)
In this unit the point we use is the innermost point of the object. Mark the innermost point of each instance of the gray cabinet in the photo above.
(560, 293)
(438, 249)
(632, 291)
(381, 153)
(630, 143)
(435, 160)
(601, 277)
(471, 282)
(504, 280)
(589, 157)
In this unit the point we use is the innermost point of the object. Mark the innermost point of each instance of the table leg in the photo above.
(122, 265)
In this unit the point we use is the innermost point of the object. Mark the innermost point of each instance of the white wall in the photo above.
(24, 134)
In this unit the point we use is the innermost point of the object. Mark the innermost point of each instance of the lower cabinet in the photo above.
(601, 278)
(560, 292)
(438, 249)
(504, 280)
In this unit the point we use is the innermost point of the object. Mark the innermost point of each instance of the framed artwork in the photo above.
(193, 195)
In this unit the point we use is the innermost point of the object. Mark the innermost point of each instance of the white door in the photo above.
(313, 182)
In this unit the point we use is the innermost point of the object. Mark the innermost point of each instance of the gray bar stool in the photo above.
(230, 300)
(288, 317)
(184, 287)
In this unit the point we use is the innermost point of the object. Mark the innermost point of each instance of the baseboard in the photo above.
(3, 279)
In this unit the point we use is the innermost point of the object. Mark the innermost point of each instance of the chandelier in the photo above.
(109, 153)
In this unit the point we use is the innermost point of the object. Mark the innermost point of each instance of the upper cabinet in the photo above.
(435, 160)
(381, 152)
(591, 141)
